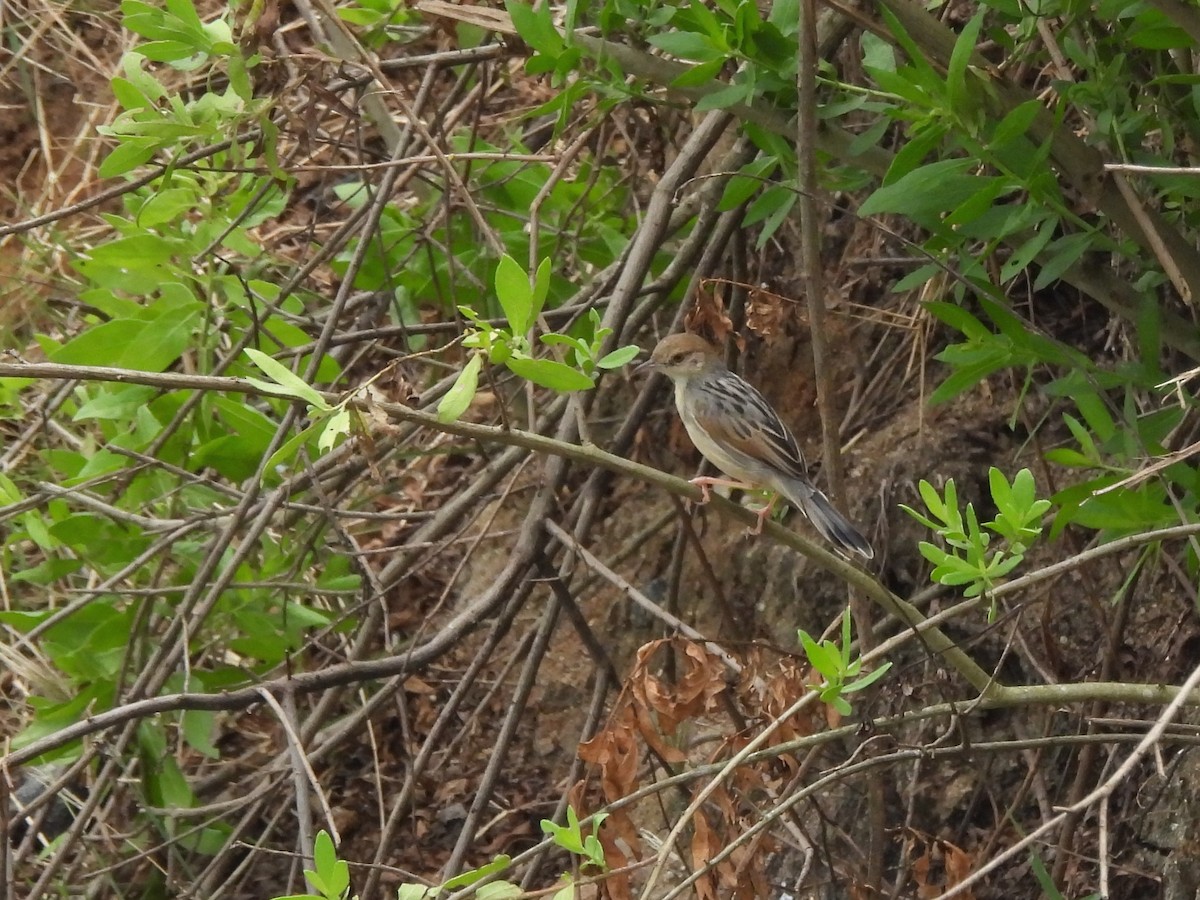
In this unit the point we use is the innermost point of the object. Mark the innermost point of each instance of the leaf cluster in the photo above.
(967, 561)
(522, 303)
(841, 674)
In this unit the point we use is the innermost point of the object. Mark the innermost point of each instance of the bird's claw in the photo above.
(705, 485)
(763, 514)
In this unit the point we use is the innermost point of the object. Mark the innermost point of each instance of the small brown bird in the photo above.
(736, 430)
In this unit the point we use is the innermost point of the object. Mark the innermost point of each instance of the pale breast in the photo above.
(698, 405)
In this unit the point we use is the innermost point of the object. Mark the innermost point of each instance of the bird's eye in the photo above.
(676, 359)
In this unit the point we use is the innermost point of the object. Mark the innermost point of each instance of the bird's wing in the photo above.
(736, 414)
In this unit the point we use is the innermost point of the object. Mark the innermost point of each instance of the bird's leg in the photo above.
(763, 515)
(706, 485)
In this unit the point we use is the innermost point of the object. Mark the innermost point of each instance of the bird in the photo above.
(735, 428)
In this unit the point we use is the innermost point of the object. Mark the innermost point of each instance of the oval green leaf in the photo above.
(548, 373)
(460, 395)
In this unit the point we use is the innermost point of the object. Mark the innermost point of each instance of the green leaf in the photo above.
(128, 95)
(924, 520)
(172, 786)
(978, 204)
(1028, 251)
(451, 407)
(727, 96)
(128, 155)
(228, 454)
(766, 204)
(286, 382)
(198, 727)
(1002, 565)
(877, 53)
(1067, 457)
(619, 357)
(688, 45)
(1016, 123)
(549, 373)
(1001, 490)
(1024, 490)
(515, 294)
(497, 865)
(926, 192)
(925, 139)
(250, 425)
(24, 621)
(53, 717)
(960, 58)
(824, 656)
(541, 290)
(287, 452)
(866, 680)
(1044, 879)
(239, 77)
(536, 27)
(560, 340)
(746, 183)
(139, 344)
(333, 872)
(90, 644)
(499, 890)
(933, 500)
(114, 402)
(568, 836)
(959, 318)
(933, 553)
(167, 206)
(699, 75)
(706, 19)
(336, 427)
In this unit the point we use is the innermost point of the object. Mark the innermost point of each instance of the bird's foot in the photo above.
(706, 484)
(764, 513)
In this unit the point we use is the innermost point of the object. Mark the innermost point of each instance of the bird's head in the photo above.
(681, 356)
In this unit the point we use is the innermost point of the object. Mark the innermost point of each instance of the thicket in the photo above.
(347, 279)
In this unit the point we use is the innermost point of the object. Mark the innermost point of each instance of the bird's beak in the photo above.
(648, 367)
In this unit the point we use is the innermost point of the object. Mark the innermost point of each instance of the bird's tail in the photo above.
(832, 525)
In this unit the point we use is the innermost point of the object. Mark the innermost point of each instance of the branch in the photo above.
(991, 693)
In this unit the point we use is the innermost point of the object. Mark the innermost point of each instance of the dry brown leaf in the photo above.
(705, 845)
(649, 733)
(615, 751)
(833, 718)
(783, 688)
(709, 319)
(940, 867)
(415, 685)
(958, 866)
(756, 878)
(693, 694)
(451, 789)
(749, 780)
(721, 799)
(742, 873)
(766, 311)
(920, 872)
(616, 886)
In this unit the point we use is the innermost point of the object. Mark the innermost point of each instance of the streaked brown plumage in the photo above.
(736, 430)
